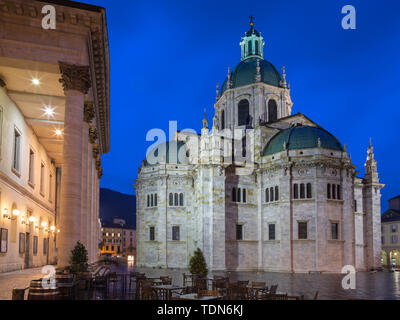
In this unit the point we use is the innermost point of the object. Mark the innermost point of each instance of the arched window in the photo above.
(267, 195)
(233, 194)
(250, 47)
(256, 48)
(239, 195)
(272, 110)
(155, 200)
(309, 192)
(223, 120)
(271, 193)
(328, 191)
(333, 191)
(244, 195)
(276, 193)
(176, 199)
(243, 113)
(302, 191)
(148, 200)
(338, 192)
(152, 200)
(171, 199)
(295, 191)
(181, 199)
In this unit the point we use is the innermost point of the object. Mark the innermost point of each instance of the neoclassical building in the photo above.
(54, 127)
(390, 234)
(264, 189)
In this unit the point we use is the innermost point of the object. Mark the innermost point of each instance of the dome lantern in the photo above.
(252, 43)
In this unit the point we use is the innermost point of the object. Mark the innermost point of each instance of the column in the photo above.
(76, 83)
(97, 176)
(96, 243)
(93, 152)
(88, 114)
(95, 155)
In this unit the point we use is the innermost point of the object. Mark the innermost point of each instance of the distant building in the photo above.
(390, 233)
(118, 239)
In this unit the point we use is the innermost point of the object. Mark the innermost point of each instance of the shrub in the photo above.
(79, 258)
(197, 264)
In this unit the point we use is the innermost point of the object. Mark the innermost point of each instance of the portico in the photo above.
(55, 95)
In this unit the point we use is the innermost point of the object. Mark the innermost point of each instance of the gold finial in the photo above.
(251, 21)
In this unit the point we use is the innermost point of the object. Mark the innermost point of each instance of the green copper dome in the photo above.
(174, 152)
(302, 137)
(245, 73)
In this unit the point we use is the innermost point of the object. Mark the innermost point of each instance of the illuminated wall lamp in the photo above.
(15, 214)
(5, 214)
(52, 228)
(44, 225)
(23, 219)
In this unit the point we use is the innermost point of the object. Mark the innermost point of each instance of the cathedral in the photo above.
(262, 189)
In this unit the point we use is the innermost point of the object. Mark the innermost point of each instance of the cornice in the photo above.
(73, 17)
(25, 192)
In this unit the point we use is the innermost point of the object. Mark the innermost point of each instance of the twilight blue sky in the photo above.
(166, 57)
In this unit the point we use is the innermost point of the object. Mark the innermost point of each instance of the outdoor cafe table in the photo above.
(195, 296)
(166, 290)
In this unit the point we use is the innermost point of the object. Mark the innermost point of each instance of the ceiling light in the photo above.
(35, 81)
(48, 111)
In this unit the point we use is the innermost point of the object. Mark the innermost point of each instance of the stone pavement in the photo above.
(17, 280)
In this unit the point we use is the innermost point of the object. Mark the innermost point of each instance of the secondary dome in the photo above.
(246, 70)
(302, 137)
(173, 152)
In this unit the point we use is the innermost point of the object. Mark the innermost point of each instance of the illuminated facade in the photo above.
(287, 198)
(118, 239)
(54, 127)
(391, 234)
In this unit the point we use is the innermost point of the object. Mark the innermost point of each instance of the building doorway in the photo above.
(395, 258)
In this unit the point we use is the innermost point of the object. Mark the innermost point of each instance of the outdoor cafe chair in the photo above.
(166, 280)
(147, 291)
(273, 289)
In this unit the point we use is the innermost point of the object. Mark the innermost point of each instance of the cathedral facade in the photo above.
(262, 190)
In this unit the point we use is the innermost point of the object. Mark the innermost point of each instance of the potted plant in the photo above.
(198, 268)
(79, 263)
(79, 259)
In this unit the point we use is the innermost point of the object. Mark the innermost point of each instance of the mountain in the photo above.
(115, 204)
